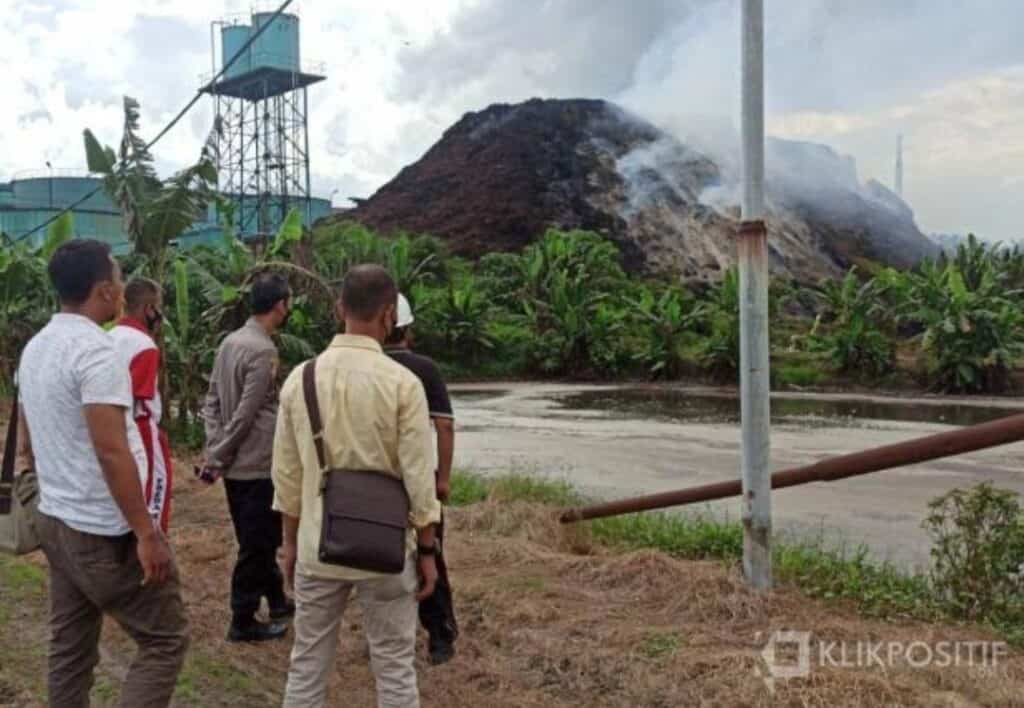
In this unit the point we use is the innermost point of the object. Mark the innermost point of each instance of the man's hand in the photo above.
(428, 577)
(207, 474)
(290, 554)
(290, 544)
(444, 489)
(155, 558)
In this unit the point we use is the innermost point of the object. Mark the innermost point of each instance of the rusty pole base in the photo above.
(754, 227)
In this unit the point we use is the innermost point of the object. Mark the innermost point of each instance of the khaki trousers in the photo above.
(389, 615)
(91, 576)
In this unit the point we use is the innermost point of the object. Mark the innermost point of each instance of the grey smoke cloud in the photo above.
(566, 48)
(821, 54)
(949, 74)
(852, 74)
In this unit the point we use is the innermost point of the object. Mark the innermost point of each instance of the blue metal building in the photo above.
(32, 198)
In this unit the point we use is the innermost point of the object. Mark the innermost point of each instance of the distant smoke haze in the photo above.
(849, 74)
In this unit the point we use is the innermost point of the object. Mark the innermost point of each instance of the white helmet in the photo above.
(405, 317)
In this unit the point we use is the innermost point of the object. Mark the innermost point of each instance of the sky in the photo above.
(947, 74)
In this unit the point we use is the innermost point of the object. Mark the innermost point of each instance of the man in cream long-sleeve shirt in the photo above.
(375, 418)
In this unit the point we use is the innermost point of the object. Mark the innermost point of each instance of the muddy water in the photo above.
(616, 442)
(686, 406)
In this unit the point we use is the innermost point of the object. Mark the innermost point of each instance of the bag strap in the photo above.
(313, 409)
(10, 455)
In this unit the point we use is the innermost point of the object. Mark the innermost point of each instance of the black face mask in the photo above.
(154, 320)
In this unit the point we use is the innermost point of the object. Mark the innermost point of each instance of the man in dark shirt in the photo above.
(437, 615)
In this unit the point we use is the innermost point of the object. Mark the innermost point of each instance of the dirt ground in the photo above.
(547, 619)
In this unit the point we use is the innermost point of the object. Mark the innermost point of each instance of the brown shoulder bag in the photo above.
(19, 496)
(365, 513)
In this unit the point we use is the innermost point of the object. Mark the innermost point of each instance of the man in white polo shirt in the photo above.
(106, 555)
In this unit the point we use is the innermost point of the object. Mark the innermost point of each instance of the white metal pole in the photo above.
(753, 270)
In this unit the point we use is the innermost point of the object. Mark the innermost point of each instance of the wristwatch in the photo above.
(430, 550)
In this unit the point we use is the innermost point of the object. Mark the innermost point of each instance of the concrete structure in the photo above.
(31, 198)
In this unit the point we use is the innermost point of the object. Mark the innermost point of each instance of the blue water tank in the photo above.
(278, 46)
(59, 191)
(233, 38)
(319, 208)
(32, 193)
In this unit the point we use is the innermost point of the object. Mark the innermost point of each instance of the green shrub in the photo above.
(978, 551)
(467, 489)
(682, 535)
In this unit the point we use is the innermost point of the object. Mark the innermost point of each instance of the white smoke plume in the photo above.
(848, 74)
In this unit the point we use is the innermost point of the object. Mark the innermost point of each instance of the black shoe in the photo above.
(282, 612)
(441, 653)
(256, 631)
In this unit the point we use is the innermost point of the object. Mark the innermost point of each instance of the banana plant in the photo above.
(155, 212)
(459, 312)
(411, 261)
(404, 266)
(26, 298)
(855, 339)
(973, 336)
(189, 348)
(668, 321)
(226, 276)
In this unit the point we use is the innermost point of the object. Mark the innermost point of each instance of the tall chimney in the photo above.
(898, 181)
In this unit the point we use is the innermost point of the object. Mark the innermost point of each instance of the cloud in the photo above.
(851, 74)
(519, 50)
(963, 150)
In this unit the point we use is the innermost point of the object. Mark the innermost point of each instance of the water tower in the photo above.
(262, 102)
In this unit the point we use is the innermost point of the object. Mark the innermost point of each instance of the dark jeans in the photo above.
(258, 530)
(92, 576)
(437, 613)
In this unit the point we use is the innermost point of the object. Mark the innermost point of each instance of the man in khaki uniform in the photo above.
(374, 418)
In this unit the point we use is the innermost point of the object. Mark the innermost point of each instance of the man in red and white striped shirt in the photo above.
(133, 337)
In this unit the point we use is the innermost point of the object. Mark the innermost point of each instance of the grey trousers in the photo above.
(389, 614)
(91, 576)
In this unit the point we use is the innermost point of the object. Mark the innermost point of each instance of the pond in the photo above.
(677, 405)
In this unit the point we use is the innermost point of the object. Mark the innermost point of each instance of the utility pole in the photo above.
(752, 250)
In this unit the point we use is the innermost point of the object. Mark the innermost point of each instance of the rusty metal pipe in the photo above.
(955, 442)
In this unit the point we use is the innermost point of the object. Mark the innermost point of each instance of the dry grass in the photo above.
(548, 618)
